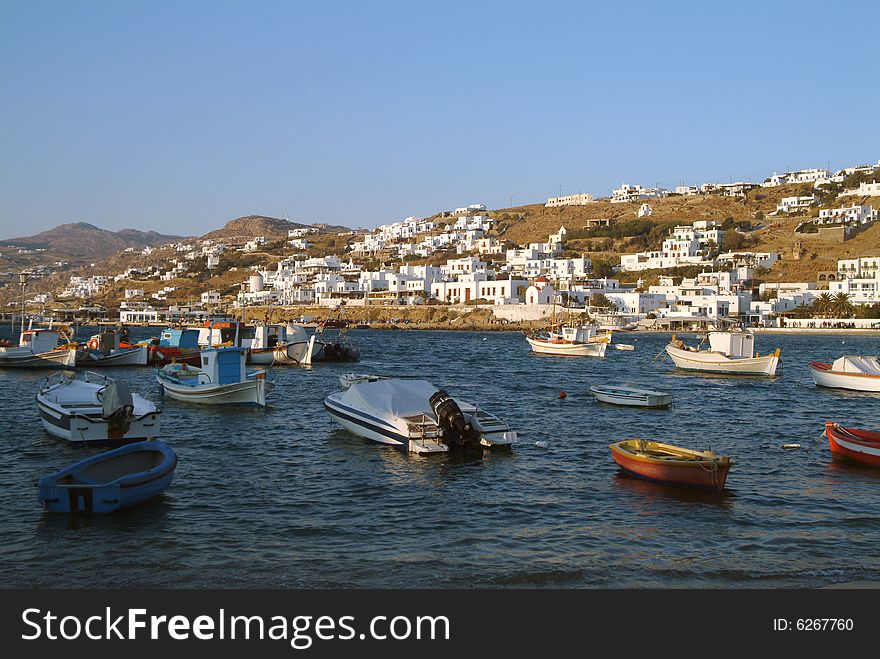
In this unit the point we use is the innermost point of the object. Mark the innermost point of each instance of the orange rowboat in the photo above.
(672, 464)
(859, 445)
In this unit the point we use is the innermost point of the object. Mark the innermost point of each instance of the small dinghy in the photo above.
(631, 396)
(859, 445)
(96, 411)
(671, 464)
(112, 480)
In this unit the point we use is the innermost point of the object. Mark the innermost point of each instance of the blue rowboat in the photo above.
(110, 481)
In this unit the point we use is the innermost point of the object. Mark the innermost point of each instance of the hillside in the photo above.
(81, 240)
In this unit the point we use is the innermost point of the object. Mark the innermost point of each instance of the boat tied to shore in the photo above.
(107, 349)
(40, 348)
(729, 353)
(671, 464)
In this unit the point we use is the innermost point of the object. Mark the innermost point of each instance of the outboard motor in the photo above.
(458, 435)
(117, 406)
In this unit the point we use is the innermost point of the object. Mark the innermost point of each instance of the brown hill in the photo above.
(81, 240)
(251, 226)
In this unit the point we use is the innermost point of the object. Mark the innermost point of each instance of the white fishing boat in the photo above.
(415, 416)
(856, 373)
(630, 396)
(222, 379)
(729, 353)
(95, 411)
(104, 350)
(280, 344)
(40, 348)
(570, 340)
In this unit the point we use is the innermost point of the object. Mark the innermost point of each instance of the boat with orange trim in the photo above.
(856, 373)
(859, 445)
(672, 464)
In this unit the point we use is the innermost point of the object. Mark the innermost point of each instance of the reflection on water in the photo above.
(283, 497)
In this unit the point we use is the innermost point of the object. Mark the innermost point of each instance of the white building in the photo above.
(570, 200)
(791, 204)
(211, 297)
(855, 214)
(628, 192)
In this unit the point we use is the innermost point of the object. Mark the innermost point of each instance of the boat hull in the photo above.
(287, 354)
(13, 358)
(689, 475)
(646, 399)
(712, 362)
(85, 432)
(860, 446)
(567, 349)
(249, 392)
(125, 357)
(67, 492)
(369, 427)
(823, 376)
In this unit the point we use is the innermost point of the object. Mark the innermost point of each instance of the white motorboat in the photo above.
(95, 411)
(729, 353)
(40, 348)
(570, 340)
(104, 350)
(416, 416)
(631, 396)
(222, 379)
(857, 373)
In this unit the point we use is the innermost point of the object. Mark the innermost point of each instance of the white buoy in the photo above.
(541, 444)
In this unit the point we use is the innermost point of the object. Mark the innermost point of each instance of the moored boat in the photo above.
(95, 411)
(172, 345)
(280, 344)
(856, 373)
(569, 340)
(859, 445)
(40, 348)
(105, 349)
(111, 480)
(416, 416)
(221, 380)
(671, 464)
(729, 353)
(630, 396)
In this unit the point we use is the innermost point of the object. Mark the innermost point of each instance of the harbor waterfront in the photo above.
(282, 497)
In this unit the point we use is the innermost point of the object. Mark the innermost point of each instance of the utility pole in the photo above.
(22, 279)
(511, 201)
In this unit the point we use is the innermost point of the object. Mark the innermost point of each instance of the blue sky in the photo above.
(178, 116)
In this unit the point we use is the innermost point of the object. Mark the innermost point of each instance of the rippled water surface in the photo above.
(282, 497)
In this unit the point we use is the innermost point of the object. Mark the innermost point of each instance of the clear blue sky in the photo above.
(178, 116)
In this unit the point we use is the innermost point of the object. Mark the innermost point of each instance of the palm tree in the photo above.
(823, 304)
(842, 306)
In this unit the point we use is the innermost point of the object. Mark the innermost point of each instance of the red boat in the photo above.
(672, 464)
(860, 445)
(174, 345)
